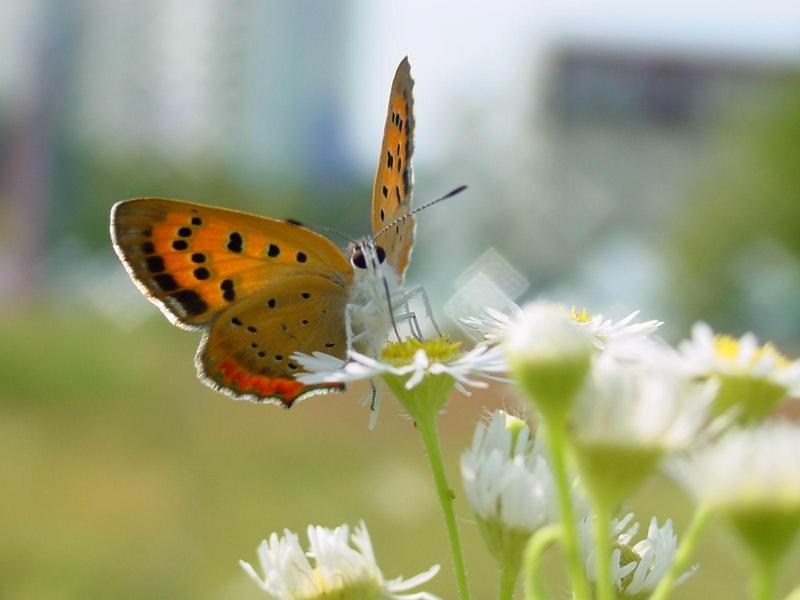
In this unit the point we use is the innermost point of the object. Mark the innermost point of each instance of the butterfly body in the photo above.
(374, 284)
(263, 289)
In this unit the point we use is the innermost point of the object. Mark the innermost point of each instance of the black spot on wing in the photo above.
(166, 282)
(198, 257)
(148, 248)
(235, 242)
(301, 257)
(185, 231)
(180, 244)
(155, 264)
(201, 273)
(228, 293)
(191, 302)
(389, 159)
(273, 250)
(197, 221)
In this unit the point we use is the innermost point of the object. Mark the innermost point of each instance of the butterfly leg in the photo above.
(401, 301)
(413, 323)
(418, 290)
(348, 324)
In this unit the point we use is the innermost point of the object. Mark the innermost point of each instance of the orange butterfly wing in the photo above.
(394, 179)
(198, 263)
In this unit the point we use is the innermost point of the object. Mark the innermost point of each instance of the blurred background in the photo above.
(622, 156)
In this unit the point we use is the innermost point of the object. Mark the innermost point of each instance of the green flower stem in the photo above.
(601, 529)
(424, 402)
(555, 437)
(538, 544)
(765, 575)
(508, 581)
(430, 438)
(685, 549)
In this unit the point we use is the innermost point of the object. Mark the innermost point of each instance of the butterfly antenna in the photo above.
(402, 218)
(339, 233)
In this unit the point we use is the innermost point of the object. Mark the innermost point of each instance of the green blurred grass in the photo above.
(124, 477)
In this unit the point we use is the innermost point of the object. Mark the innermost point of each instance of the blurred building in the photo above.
(629, 135)
(235, 81)
(605, 154)
(633, 127)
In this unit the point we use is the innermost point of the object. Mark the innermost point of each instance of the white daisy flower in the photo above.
(506, 479)
(723, 354)
(340, 570)
(636, 568)
(606, 331)
(751, 477)
(756, 466)
(639, 394)
(630, 414)
(754, 378)
(413, 360)
(548, 355)
(481, 361)
(493, 325)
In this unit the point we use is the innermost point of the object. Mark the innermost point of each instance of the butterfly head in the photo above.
(366, 255)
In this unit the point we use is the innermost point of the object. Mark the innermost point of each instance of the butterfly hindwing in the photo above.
(248, 350)
(394, 178)
(196, 261)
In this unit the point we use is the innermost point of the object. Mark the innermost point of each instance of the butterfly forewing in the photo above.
(196, 261)
(249, 347)
(391, 194)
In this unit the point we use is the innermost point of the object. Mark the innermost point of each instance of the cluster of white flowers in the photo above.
(628, 393)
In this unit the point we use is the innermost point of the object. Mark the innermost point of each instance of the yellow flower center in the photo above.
(581, 316)
(439, 349)
(342, 589)
(727, 347)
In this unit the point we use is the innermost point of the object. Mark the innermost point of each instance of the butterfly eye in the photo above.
(381, 254)
(358, 260)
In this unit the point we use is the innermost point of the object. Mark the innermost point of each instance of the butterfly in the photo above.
(263, 289)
